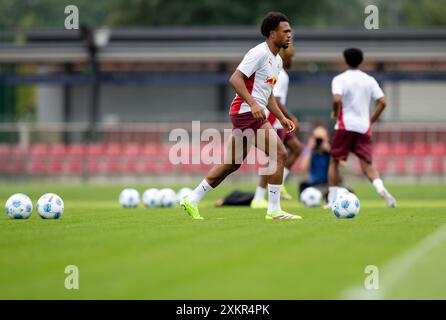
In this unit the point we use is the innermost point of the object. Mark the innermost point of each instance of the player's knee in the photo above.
(296, 150)
(366, 167)
(300, 148)
(281, 154)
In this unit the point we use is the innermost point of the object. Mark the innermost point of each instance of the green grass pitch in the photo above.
(233, 254)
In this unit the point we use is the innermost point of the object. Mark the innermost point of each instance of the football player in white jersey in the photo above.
(353, 90)
(253, 82)
(293, 145)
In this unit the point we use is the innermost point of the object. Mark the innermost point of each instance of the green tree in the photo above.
(23, 14)
(208, 12)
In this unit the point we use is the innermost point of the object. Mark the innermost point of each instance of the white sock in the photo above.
(274, 197)
(199, 192)
(260, 194)
(286, 172)
(379, 186)
(332, 193)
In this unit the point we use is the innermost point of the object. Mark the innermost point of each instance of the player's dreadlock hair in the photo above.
(271, 21)
(353, 57)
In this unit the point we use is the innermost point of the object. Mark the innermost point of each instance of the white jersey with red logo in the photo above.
(262, 68)
(280, 91)
(357, 89)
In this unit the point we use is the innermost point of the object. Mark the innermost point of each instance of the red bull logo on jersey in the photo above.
(271, 81)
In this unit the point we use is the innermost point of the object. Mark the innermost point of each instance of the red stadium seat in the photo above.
(132, 150)
(167, 167)
(76, 150)
(149, 167)
(437, 166)
(18, 166)
(382, 165)
(37, 167)
(39, 148)
(5, 150)
(55, 167)
(113, 150)
(113, 167)
(58, 151)
(93, 167)
(420, 149)
(130, 166)
(419, 165)
(381, 149)
(3, 166)
(204, 168)
(189, 168)
(39, 152)
(400, 149)
(401, 166)
(165, 148)
(74, 167)
(150, 150)
(438, 149)
(19, 151)
(95, 150)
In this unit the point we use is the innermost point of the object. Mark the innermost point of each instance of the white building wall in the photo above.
(407, 101)
(415, 101)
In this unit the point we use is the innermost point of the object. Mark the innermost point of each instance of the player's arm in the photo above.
(337, 100)
(380, 105)
(336, 90)
(237, 81)
(378, 96)
(287, 113)
(275, 110)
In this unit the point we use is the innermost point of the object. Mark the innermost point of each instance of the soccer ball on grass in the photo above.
(50, 206)
(129, 198)
(151, 198)
(19, 206)
(311, 197)
(346, 206)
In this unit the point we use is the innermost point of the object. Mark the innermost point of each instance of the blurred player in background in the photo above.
(253, 82)
(353, 90)
(294, 147)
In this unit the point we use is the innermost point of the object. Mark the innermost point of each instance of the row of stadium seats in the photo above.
(417, 165)
(153, 158)
(153, 149)
(108, 167)
(416, 149)
(401, 135)
(399, 166)
(73, 150)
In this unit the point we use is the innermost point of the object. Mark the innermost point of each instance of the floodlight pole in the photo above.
(222, 90)
(92, 49)
(67, 102)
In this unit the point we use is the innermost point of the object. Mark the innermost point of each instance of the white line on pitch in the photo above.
(397, 268)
